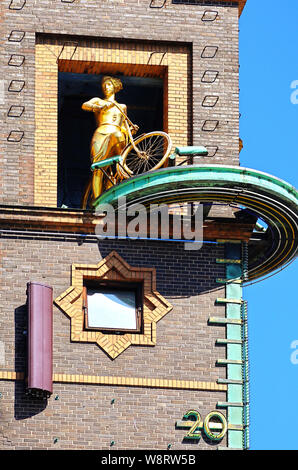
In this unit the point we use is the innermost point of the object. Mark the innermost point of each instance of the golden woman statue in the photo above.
(110, 136)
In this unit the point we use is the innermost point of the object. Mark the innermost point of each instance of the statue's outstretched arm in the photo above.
(94, 104)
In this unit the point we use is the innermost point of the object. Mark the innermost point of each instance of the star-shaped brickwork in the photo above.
(113, 268)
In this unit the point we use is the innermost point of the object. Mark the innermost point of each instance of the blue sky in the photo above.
(268, 127)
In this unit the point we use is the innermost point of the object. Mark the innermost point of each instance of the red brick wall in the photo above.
(213, 126)
(83, 417)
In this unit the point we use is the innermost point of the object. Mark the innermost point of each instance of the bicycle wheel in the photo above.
(153, 150)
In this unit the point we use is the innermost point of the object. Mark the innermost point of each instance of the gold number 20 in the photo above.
(194, 432)
(195, 423)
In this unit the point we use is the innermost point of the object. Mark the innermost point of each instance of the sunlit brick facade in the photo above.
(131, 399)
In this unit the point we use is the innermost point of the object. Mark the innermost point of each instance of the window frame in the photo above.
(137, 287)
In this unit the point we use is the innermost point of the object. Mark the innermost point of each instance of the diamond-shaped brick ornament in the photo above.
(114, 268)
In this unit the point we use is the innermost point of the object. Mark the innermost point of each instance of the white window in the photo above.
(116, 308)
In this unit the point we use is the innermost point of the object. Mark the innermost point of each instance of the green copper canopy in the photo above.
(271, 199)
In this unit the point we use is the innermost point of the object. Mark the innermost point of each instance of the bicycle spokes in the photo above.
(147, 153)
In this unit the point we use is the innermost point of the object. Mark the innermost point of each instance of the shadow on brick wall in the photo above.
(179, 273)
(24, 405)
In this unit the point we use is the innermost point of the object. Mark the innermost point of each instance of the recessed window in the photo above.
(114, 307)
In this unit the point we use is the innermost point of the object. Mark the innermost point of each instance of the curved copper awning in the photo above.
(269, 198)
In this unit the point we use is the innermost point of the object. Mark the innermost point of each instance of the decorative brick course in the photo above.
(121, 381)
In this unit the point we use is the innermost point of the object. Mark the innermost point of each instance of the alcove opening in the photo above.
(144, 93)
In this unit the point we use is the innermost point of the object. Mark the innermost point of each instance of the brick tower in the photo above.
(176, 377)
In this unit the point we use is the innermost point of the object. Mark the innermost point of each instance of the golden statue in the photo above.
(111, 134)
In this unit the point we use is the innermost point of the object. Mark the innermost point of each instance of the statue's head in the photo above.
(111, 85)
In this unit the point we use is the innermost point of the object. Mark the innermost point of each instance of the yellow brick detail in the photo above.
(96, 55)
